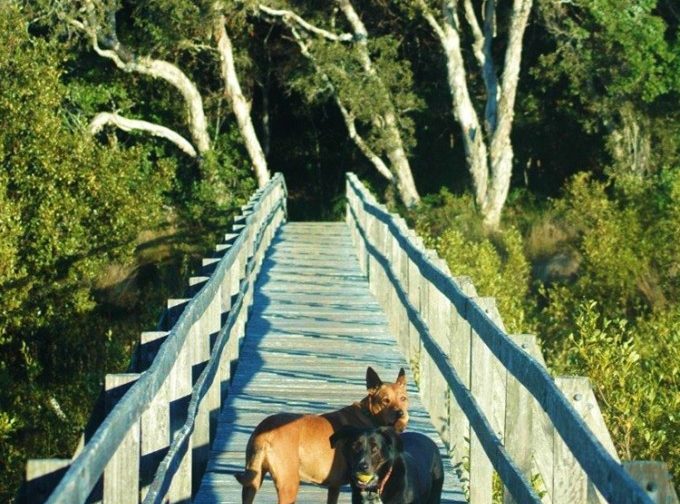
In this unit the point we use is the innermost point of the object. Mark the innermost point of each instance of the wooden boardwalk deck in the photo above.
(313, 330)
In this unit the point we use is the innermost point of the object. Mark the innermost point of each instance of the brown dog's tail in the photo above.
(253, 474)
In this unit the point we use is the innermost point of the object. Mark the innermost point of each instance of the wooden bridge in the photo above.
(286, 317)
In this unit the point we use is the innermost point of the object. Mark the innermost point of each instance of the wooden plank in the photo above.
(654, 478)
(121, 475)
(570, 485)
(155, 421)
(42, 475)
(487, 384)
(459, 350)
(519, 419)
(303, 365)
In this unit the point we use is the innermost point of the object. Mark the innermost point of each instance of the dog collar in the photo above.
(383, 482)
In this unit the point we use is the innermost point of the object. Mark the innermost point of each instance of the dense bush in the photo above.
(616, 319)
(76, 285)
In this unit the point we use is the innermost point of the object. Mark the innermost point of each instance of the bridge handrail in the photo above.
(606, 473)
(87, 468)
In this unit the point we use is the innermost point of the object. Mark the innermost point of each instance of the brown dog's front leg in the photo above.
(333, 494)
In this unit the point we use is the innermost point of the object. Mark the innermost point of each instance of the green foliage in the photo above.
(68, 206)
(496, 264)
(366, 95)
(635, 375)
(224, 183)
(617, 321)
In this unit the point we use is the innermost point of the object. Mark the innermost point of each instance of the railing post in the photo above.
(414, 286)
(487, 383)
(180, 386)
(200, 336)
(402, 261)
(121, 475)
(459, 350)
(570, 485)
(42, 475)
(654, 479)
(155, 421)
(519, 406)
(440, 328)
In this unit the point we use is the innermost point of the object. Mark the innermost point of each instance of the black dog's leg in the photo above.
(436, 491)
(356, 496)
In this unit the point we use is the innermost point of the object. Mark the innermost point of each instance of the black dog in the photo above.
(390, 468)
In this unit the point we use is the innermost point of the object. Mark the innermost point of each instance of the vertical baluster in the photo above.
(519, 418)
(459, 350)
(179, 392)
(569, 484)
(155, 421)
(121, 475)
(487, 383)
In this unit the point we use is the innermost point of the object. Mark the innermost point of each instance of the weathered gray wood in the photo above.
(88, 466)
(179, 390)
(519, 419)
(155, 421)
(121, 476)
(459, 350)
(654, 478)
(509, 473)
(310, 366)
(570, 483)
(199, 339)
(488, 388)
(42, 475)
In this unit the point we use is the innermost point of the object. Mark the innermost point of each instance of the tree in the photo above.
(96, 20)
(617, 64)
(68, 205)
(488, 147)
(346, 67)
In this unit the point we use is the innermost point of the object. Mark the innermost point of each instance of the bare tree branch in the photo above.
(288, 16)
(126, 124)
(155, 68)
(489, 69)
(478, 36)
(348, 117)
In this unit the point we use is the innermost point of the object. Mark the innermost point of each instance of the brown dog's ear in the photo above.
(373, 381)
(401, 377)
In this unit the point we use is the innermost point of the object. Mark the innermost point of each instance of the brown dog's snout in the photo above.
(400, 413)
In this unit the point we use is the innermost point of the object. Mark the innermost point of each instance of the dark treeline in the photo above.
(125, 150)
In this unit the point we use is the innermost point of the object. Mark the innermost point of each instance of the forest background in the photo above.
(535, 145)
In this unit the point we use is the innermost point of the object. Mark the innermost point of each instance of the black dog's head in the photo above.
(369, 453)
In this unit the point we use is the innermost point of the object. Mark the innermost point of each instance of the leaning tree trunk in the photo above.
(239, 103)
(395, 151)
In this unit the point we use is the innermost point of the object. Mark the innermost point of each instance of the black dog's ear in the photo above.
(373, 381)
(391, 437)
(343, 433)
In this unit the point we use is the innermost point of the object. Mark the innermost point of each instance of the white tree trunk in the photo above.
(489, 154)
(395, 152)
(239, 104)
(126, 124)
(155, 68)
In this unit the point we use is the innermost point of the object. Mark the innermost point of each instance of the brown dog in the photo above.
(294, 447)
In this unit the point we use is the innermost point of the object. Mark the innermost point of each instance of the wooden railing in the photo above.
(489, 393)
(154, 442)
